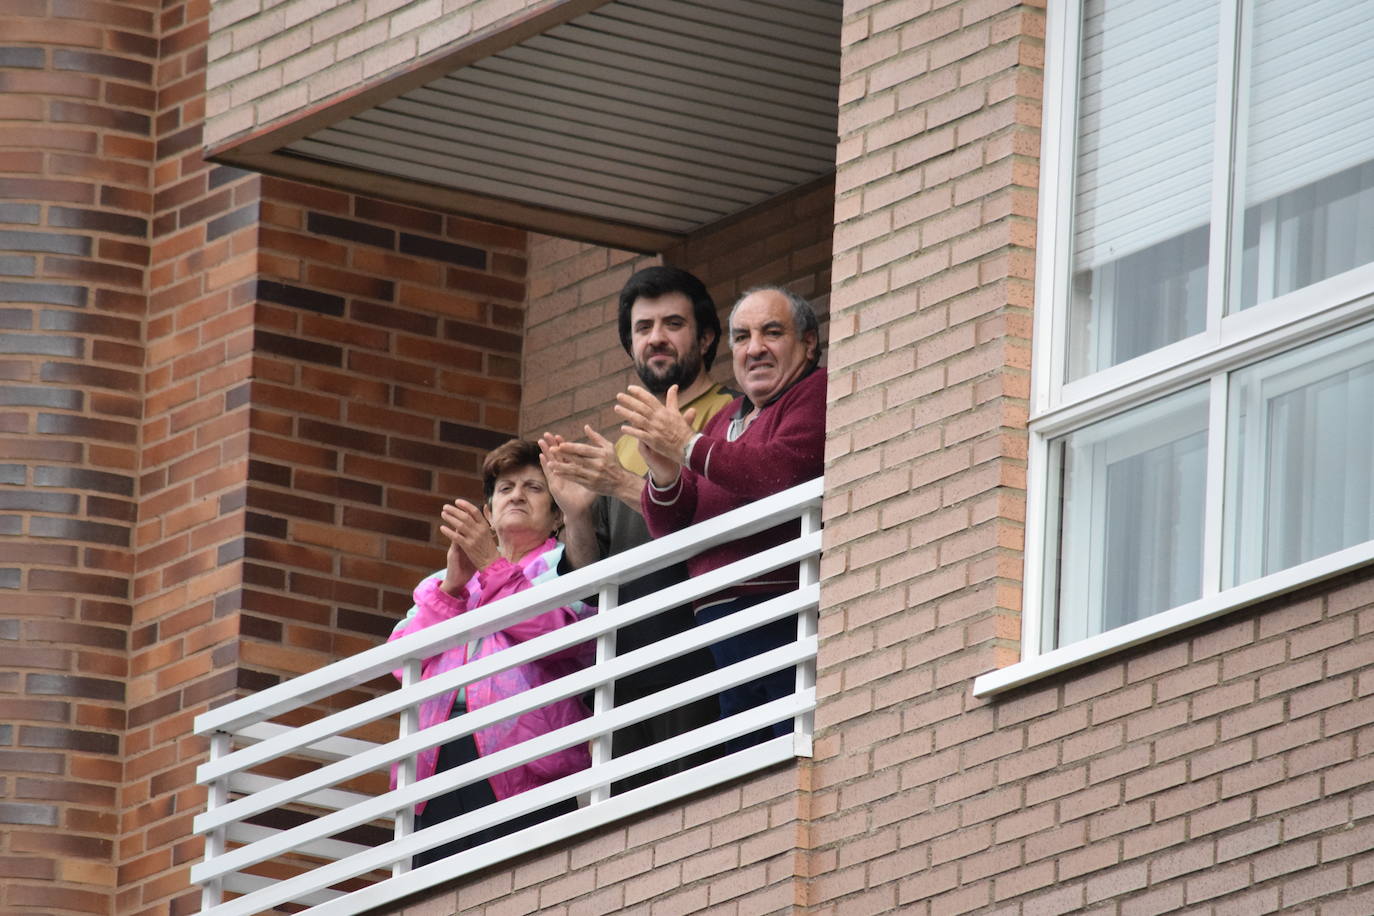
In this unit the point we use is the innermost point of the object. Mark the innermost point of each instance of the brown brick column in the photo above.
(324, 370)
(193, 467)
(75, 115)
(228, 410)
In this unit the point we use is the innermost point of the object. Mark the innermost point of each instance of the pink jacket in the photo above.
(496, 581)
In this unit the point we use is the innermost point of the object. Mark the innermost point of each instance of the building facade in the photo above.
(1097, 613)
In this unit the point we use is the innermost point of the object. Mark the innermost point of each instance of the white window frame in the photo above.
(1147, 429)
(1243, 337)
(1284, 376)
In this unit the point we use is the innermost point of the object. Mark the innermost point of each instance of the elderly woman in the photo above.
(496, 551)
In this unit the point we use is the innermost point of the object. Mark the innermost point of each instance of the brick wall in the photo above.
(75, 119)
(571, 325)
(386, 365)
(727, 851)
(1217, 770)
(930, 327)
(230, 407)
(194, 436)
(348, 363)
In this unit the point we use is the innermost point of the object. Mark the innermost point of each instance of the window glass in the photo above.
(1300, 446)
(1130, 521)
(1309, 149)
(1138, 514)
(1146, 110)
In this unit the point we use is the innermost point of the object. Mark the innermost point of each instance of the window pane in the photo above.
(1147, 97)
(1300, 441)
(1309, 170)
(1131, 516)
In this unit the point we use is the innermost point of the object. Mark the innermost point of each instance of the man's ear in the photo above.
(705, 339)
(813, 346)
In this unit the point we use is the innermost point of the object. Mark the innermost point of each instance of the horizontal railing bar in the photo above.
(631, 564)
(383, 805)
(251, 884)
(333, 799)
(548, 831)
(571, 685)
(585, 630)
(335, 748)
(698, 739)
(323, 848)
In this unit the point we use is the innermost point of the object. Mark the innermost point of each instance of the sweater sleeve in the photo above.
(787, 449)
(674, 507)
(671, 508)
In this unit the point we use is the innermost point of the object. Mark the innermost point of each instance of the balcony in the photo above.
(299, 816)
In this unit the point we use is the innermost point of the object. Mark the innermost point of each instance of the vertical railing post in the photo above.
(807, 627)
(212, 893)
(405, 776)
(603, 698)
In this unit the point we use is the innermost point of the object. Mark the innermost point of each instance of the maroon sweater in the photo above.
(783, 446)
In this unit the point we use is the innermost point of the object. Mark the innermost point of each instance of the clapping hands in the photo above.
(662, 431)
(472, 543)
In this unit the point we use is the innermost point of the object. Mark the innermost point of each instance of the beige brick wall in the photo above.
(270, 62)
(733, 850)
(1217, 770)
(929, 348)
(574, 364)
(1225, 770)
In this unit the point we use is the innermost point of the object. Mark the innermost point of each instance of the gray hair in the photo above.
(803, 315)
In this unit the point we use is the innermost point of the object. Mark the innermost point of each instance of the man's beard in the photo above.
(682, 373)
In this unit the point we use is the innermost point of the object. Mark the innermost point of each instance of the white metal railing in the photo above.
(298, 814)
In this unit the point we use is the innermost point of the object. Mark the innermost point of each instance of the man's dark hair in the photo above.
(652, 282)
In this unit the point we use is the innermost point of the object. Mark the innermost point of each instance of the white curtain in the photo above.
(1147, 100)
(1147, 109)
(1301, 456)
(1131, 515)
(1311, 93)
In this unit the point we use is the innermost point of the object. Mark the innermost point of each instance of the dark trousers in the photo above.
(746, 645)
(470, 797)
(639, 735)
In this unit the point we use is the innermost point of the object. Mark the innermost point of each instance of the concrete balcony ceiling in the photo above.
(636, 123)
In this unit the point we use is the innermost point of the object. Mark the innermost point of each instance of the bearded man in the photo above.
(669, 326)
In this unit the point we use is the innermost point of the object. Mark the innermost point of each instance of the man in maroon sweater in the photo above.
(768, 440)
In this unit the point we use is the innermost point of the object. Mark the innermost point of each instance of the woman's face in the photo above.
(521, 506)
